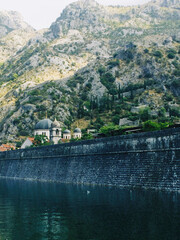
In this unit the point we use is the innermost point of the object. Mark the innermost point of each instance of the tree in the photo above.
(15, 76)
(98, 123)
(162, 112)
(18, 144)
(87, 136)
(115, 119)
(75, 139)
(151, 126)
(175, 111)
(157, 54)
(145, 114)
(154, 126)
(41, 140)
(109, 129)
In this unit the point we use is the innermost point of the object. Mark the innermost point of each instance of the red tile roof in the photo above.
(2, 149)
(6, 147)
(31, 139)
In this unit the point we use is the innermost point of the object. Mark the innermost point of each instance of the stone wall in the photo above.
(145, 160)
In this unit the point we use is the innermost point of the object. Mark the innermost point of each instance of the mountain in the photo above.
(14, 34)
(11, 20)
(94, 64)
(84, 15)
(167, 3)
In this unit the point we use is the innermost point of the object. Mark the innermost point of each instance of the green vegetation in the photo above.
(145, 114)
(41, 140)
(134, 75)
(154, 126)
(110, 130)
(113, 63)
(87, 136)
(157, 54)
(171, 53)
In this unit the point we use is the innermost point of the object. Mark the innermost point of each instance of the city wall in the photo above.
(144, 160)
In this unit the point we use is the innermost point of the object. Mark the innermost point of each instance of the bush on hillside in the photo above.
(157, 54)
(109, 129)
(154, 126)
(145, 114)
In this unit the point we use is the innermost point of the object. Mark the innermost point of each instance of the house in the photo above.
(77, 133)
(127, 122)
(6, 147)
(2, 149)
(91, 131)
(27, 143)
(67, 134)
(52, 130)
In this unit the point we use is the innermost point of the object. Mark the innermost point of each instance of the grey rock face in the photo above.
(83, 15)
(168, 3)
(11, 20)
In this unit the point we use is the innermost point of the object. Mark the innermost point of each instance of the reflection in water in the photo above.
(44, 211)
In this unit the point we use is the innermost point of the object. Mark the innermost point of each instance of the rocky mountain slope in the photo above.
(85, 68)
(11, 20)
(14, 34)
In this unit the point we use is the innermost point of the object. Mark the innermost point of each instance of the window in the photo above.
(57, 132)
(44, 133)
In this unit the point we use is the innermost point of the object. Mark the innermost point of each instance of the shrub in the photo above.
(41, 140)
(175, 111)
(107, 80)
(176, 83)
(35, 92)
(115, 119)
(87, 136)
(164, 125)
(176, 64)
(18, 144)
(151, 126)
(23, 133)
(146, 50)
(113, 63)
(101, 70)
(16, 121)
(109, 129)
(157, 54)
(145, 114)
(98, 123)
(162, 112)
(177, 73)
(75, 139)
(72, 83)
(171, 51)
(171, 55)
(41, 108)
(168, 97)
(154, 126)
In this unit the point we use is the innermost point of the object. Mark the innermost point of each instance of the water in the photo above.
(44, 211)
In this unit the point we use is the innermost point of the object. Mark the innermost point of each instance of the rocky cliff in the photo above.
(11, 20)
(92, 61)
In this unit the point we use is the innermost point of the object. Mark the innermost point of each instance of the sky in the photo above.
(41, 13)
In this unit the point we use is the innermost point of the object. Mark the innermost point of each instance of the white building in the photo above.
(77, 133)
(50, 129)
(67, 134)
(27, 143)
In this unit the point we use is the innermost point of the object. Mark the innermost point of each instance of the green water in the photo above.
(44, 211)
